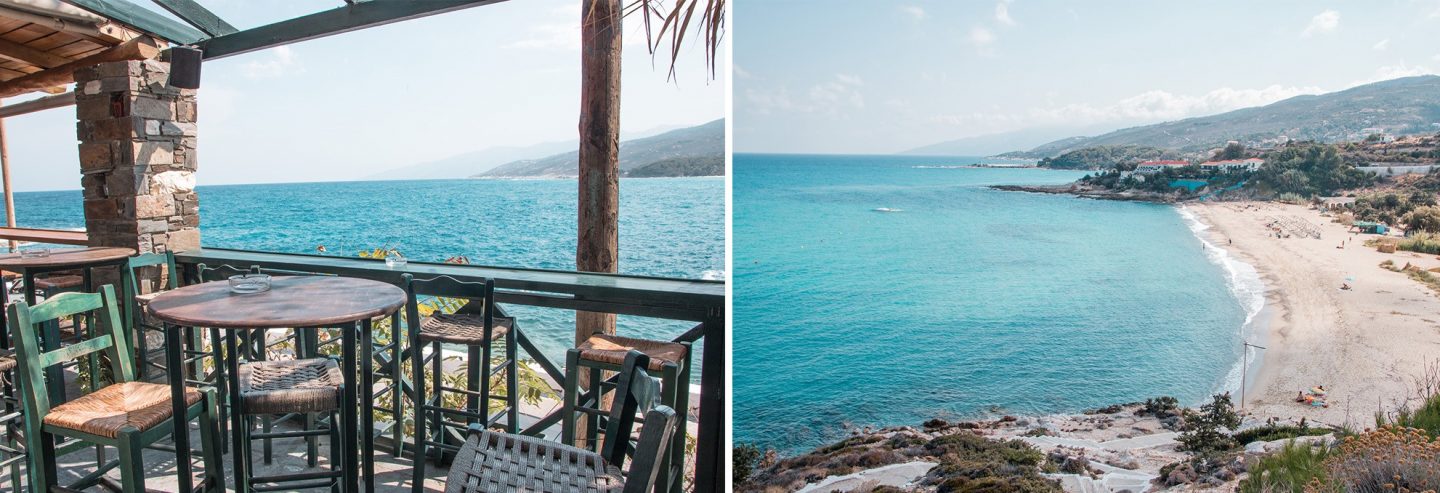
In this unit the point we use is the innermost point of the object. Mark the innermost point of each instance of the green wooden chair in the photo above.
(477, 326)
(136, 293)
(607, 352)
(128, 415)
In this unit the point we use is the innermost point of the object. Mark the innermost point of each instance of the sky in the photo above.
(865, 77)
(350, 105)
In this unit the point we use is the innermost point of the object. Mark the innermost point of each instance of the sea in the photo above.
(874, 291)
(670, 227)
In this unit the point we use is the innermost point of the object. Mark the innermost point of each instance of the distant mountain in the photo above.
(992, 144)
(471, 163)
(694, 143)
(1404, 106)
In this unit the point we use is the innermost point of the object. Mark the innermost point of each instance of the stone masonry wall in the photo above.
(137, 157)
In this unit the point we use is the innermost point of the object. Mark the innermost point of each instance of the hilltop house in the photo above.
(1148, 167)
(1248, 164)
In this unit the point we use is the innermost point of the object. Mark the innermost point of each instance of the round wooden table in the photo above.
(59, 259)
(292, 302)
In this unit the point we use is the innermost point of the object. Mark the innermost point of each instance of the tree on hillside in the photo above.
(1425, 219)
(1233, 150)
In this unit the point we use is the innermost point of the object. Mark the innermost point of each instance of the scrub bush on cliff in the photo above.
(1208, 431)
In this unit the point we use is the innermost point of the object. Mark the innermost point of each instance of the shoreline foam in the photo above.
(1245, 284)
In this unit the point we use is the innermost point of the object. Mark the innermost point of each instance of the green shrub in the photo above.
(1289, 470)
(743, 460)
(1207, 431)
(1424, 242)
(1161, 406)
(999, 485)
(1271, 432)
(974, 463)
(1426, 418)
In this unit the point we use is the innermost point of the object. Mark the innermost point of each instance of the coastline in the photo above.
(1249, 290)
(1365, 345)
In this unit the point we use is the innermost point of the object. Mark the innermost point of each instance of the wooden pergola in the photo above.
(44, 42)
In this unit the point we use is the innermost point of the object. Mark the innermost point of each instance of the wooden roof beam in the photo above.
(25, 54)
(142, 19)
(330, 22)
(34, 105)
(197, 15)
(141, 48)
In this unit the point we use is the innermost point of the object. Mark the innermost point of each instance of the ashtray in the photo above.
(249, 283)
(35, 253)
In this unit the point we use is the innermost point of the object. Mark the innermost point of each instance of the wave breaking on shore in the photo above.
(1245, 284)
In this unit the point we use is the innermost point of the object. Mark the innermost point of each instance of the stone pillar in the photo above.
(137, 157)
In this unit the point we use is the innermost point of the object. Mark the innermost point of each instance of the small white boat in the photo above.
(887, 209)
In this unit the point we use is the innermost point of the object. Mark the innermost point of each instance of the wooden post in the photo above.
(598, 245)
(599, 212)
(5, 178)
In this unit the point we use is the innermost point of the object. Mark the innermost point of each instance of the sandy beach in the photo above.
(1366, 345)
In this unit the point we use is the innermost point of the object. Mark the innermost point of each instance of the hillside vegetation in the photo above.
(686, 147)
(1404, 106)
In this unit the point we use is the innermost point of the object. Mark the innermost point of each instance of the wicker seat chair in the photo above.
(607, 352)
(128, 415)
(493, 461)
(477, 326)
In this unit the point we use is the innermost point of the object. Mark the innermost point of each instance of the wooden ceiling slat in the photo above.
(31, 55)
(75, 49)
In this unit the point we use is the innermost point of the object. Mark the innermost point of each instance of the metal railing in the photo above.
(665, 298)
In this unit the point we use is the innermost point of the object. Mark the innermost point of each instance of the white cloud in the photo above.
(1148, 106)
(1382, 45)
(1002, 13)
(981, 37)
(279, 61)
(740, 72)
(1324, 22)
(914, 12)
(1388, 72)
(830, 97)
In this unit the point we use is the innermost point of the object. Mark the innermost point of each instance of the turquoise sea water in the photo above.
(967, 302)
(673, 227)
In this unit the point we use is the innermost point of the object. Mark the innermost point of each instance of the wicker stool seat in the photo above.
(145, 299)
(59, 282)
(105, 412)
(462, 328)
(294, 386)
(492, 461)
(7, 360)
(607, 348)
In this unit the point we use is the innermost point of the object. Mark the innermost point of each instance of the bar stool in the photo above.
(606, 352)
(256, 345)
(478, 326)
(303, 386)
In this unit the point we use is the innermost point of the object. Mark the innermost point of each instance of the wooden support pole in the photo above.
(597, 248)
(5, 181)
(598, 242)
